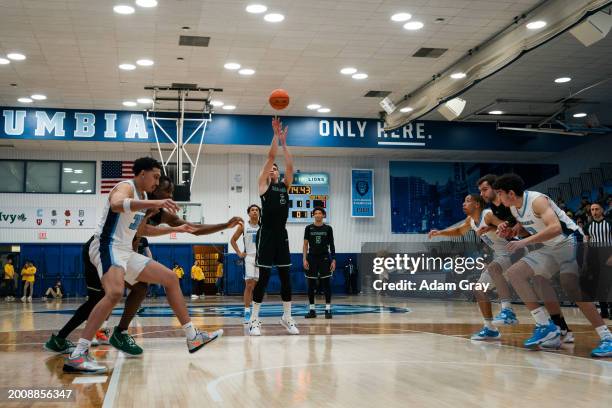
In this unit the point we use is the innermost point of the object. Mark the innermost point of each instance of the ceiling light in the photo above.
(4, 61)
(274, 18)
(24, 100)
(146, 3)
(68, 170)
(323, 110)
(127, 67)
(15, 56)
(406, 109)
(534, 25)
(216, 103)
(360, 75)
(313, 106)
(79, 191)
(495, 112)
(145, 101)
(580, 115)
(563, 80)
(145, 62)
(77, 171)
(246, 71)
(88, 191)
(82, 182)
(232, 66)
(129, 103)
(400, 17)
(413, 25)
(229, 107)
(256, 8)
(123, 9)
(73, 181)
(38, 97)
(348, 71)
(458, 75)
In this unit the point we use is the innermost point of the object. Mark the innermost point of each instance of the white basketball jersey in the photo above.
(249, 236)
(491, 238)
(534, 224)
(119, 229)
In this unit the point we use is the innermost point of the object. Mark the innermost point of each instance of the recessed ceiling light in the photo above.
(232, 66)
(24, 100)
(229, 107)
(313, 106)
(323, 110)
(146, 3)
(246, 71)
(145, 62)
(216, 103)
(145, 101)
(563, 80)
(15, 56)
(38, 97)
(123, 9)
(495, 112)
(534, 25)
(68, 170)
(82, 182)
(256, 8)
(406, 109)
(72, 181)
(360, 75)
(348, 71)
(88, 191)
(458, 75)
(580, 115)
(400, 17)
(129, 103)
(413, 25)
(274, 18)
(4, 61)
(127, 67)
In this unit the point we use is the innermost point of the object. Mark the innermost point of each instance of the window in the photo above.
(12, 175)
(79, 177)
(42, 177)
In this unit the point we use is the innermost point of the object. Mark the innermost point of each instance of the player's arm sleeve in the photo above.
(332, 246)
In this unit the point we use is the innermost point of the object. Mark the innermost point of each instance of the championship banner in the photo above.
(48, 217)
(362, 193)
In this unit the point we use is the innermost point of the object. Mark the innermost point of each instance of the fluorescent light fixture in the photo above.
(401, 17)
(15, 56)
(563, 80)
(348, 71)
(323, 110)
(127, 67)
(580, 115)
(216, 103)
(495, 112)
(246, 71)
(360, 75)
(232, 66)
(144, 101)
(406, 109)
(4, 61)
(129, 103)
(256, 8)
(413, 25)
(38, 97)
(123, 9)
(458, 75)
(67, 170)
(534, 25)
(313, 106)
(145, 62)
(146, 3)
(274, 18)
(24, 100)
(229, 107)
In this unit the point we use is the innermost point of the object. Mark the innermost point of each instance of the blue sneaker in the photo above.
(247, 316)
(505, 316)
(604, 349)
(486, 334)
(546, 335)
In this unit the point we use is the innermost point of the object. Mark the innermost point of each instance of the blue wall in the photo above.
(64, 261)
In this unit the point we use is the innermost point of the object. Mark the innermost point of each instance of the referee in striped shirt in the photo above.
(599, 237)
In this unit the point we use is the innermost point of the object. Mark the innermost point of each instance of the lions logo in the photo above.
(362, 187)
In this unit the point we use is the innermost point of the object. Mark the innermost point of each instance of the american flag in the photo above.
(113, 172)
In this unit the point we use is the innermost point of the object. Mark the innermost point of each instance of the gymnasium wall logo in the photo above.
(11, 218)
(411, 134)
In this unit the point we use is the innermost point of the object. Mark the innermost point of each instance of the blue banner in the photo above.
(362, 193)
(123, 126)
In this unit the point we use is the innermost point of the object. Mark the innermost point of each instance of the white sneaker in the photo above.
(567, 337)
(23, 299)
(30, 299)
(201, 339)
(254, 327)
(201, 297)
(289, 324)
(194, 297)
(95, 342)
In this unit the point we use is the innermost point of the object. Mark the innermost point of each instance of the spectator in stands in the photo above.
(27, 276)
(561, 204)
(585, 208)
(179, 272)
(219, 275)
(608, 211)
(55, 291)
(8, 279)
(197, 280)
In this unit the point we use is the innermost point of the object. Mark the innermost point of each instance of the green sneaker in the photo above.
(124, 342)
(58, 345)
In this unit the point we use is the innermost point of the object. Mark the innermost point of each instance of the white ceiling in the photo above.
(74, 47)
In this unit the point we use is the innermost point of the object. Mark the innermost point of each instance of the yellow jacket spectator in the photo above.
(8, 280)
(178, 271)
(9, 271)
(197, 273)
(27, 273)
(27, 276)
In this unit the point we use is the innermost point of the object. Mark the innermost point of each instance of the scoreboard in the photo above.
(309, 190)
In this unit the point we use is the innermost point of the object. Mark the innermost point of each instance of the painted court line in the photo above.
(113, 386)
(90, 380)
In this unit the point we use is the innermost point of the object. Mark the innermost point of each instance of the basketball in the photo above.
(279, 99)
